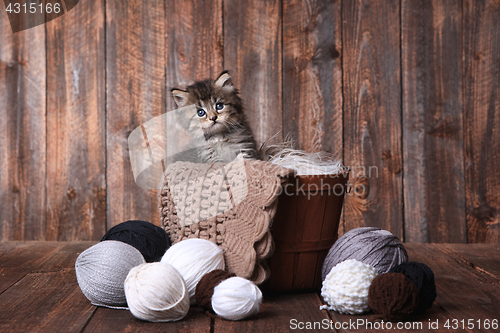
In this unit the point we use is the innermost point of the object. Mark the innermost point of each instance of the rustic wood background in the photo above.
(408, 88)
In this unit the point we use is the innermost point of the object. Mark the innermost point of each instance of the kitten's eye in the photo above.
(201, 113)
(219, 106)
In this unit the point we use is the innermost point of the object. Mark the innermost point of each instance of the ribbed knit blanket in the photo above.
(230, 204)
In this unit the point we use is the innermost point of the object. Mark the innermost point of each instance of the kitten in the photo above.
(219, 112)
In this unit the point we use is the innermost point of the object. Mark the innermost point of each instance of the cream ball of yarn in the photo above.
(156, 292)
(236, 298)
(346, 287)
(101, 271)
(194, 258)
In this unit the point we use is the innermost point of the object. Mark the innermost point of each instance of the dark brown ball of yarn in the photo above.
(392, 295)
(422, 277)
(205, 288)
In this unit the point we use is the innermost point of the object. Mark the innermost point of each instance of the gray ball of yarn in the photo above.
(372, 246)
(101, 271)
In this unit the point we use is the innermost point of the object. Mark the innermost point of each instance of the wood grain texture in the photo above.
(42, 302)
(312, 98)
(135, 76)
(252, 54)
(482, 257)
(415, 323)
(18, 259)
(405, 92)
(22, 132)
(434, 192)
(195, 43)
(109, 320)
(482, 119)
(277, 314)
(76, 151)
(455, 279)
(372, 114)
(304, 229)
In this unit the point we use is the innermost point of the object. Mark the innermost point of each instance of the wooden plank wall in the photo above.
(406, 93)
(433, 144)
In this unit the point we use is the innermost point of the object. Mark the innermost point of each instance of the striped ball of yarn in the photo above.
(229, 296)
(101, 271)
(193, 258)
(156, 292)
(151, 240)
(372, 246)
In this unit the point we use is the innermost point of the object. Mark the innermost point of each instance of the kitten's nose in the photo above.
(213, 117)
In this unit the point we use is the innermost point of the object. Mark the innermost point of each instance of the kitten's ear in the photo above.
(224, 81)
(180, 97)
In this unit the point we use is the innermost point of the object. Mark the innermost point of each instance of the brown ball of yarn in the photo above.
(393, 296)
(422, 277)
(205, 288)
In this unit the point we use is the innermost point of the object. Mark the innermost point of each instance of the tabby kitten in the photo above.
(219, 112)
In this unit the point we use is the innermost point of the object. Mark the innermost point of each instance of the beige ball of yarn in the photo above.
(236, 298)
(156, 292)
(194, 258)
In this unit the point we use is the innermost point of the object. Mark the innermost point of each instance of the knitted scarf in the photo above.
(231, 205)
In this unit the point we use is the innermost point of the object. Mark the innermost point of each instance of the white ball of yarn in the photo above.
(345, 288)
(194, 258)
(236, 298)
(156, 292)
(101, 271)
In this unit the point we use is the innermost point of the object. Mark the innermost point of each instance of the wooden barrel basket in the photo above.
(304, 229)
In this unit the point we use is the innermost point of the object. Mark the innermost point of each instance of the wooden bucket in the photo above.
(304, 229)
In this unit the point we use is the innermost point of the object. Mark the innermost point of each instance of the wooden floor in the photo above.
(39, 293)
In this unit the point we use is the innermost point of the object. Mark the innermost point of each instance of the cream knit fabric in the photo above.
(229, 204)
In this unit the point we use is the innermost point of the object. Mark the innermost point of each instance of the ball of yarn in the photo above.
(156, 292)
(372, 246)
(345, 288)
(151, 240)
(393, 295)
(236, 298)
(194, 258)
(422, 277)
(231, 297)
(101, 271)
(205, 288)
